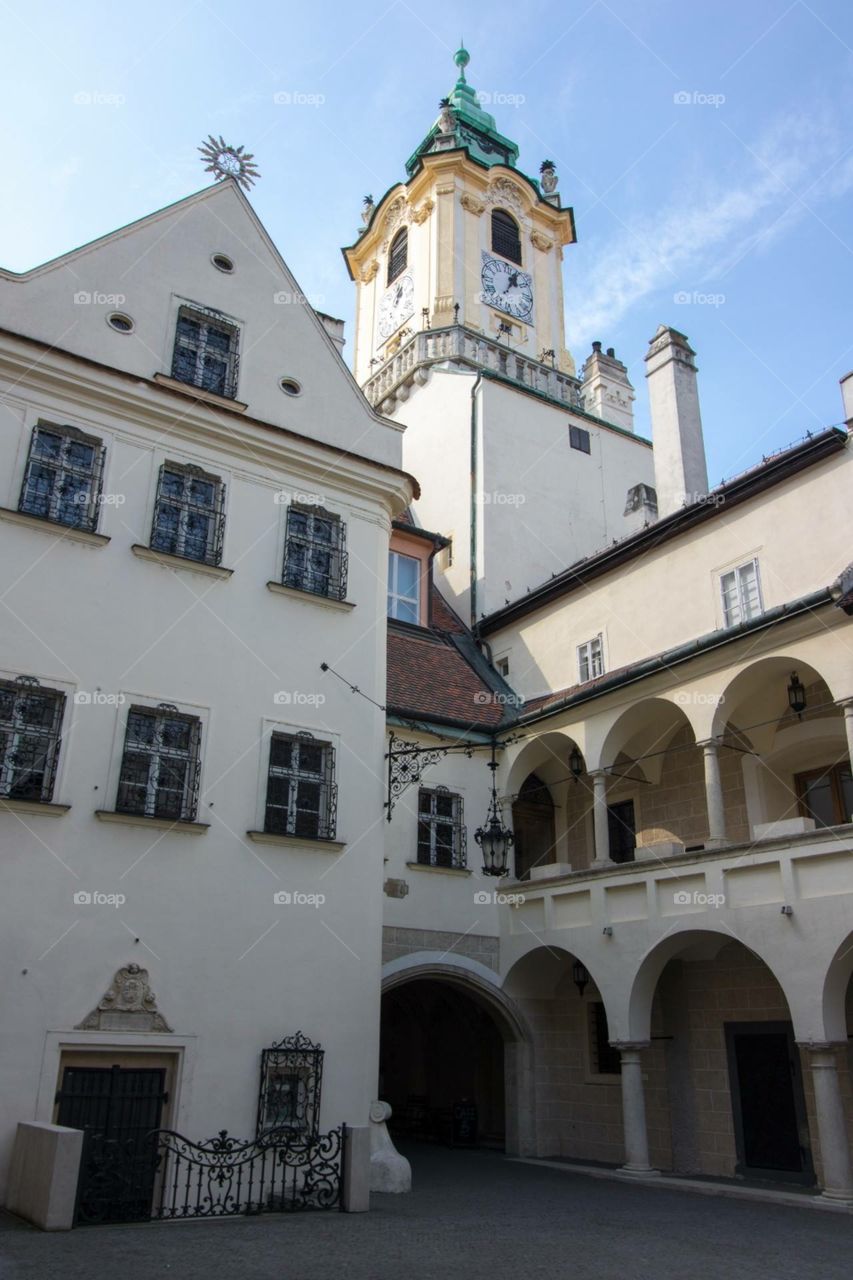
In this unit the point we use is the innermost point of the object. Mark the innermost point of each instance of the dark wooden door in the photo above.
(768, 1105)
(117, 1108)
(621, 831)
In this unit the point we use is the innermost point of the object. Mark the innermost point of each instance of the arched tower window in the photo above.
(398, 254)
(506, 239)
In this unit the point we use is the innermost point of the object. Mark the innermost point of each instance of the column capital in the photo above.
(822, 1046)
(709, 743)
(630, 1046)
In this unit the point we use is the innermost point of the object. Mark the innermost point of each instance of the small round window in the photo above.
(120, 322)
(222, 263)
(290, 386)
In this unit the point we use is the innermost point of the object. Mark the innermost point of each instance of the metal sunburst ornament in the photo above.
(229, 162)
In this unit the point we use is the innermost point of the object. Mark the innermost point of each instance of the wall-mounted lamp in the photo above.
(580, 976)
(576, 763)
(796, 694)
(607, 931)
(787, 911)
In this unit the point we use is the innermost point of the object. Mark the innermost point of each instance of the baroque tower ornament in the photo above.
(224, 161)
(128, 1004)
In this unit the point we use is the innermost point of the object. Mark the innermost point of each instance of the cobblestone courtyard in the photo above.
(474, 1216)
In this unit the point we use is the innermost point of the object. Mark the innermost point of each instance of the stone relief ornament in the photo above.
(395, 215)
(548, 177)
(367, 207)
(421, 214)
(471, 203)
(129, 1004)
(369, 271)
(541, 242)
(504, 192)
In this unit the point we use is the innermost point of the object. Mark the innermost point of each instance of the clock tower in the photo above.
(460, 335)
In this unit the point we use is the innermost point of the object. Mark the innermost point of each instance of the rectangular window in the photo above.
(189, 514)
(160, 764)
(205, 353)
(579, 439)
(741, 593)
(62, 481)
(826, 794)
(404, 586)
(621, 831)
(301, 792)
(314, 555)
(590, 660)
(30, 721)
(441, 828)
(604, 1060)
(502, 666)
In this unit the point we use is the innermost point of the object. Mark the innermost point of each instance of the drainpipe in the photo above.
(474, 469)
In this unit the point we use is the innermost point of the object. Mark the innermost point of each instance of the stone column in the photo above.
(714, 795)
(831, 1126)
(599, 815)
(634, 1109)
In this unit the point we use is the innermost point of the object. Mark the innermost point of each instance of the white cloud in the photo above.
(705, 231)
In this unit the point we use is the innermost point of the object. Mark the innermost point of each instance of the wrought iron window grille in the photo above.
(206, 351)
(302, 795)
(189, 514)
(442, 836)
(290, 1086)
(30, 721)
(62, 480)
(398, 255)
(506, 239)
(161, 764)
(315, 558)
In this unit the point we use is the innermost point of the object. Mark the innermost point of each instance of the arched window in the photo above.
(398, 254)
(505, 236)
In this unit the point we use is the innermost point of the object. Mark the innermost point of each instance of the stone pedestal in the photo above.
(389, 1171)
(43, 1175)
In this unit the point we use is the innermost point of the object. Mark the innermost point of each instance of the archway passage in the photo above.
(533, 826)
(441, 1065)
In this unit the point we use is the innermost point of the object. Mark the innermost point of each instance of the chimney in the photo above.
(606, 391)
(681, 473)
(847, 397)
(335, 329)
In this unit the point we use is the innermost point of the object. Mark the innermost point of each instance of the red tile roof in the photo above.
(429, 679)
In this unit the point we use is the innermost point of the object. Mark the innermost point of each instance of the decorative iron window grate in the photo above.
(314, 555)
(301, 790)
(160, 766)
(441, 828)
(62, 481)
(505, 236)
(291, 1081)
(398, 254)
(189, 513)
(206, 351)
(30, 721)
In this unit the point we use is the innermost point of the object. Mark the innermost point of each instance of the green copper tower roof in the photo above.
(470, 126)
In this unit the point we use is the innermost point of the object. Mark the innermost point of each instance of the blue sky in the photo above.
(737, 195)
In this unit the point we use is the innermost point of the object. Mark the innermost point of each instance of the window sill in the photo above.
(161, 824)
(310, 597)
(198, 393)
(47, 807)
(55, 527)
(168, 561)
(296, 842)
(442, 871)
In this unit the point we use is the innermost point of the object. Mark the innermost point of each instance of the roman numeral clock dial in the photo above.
(507, 288)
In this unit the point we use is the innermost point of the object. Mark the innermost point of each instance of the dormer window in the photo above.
(404, 574)
(398, 254)
(506, 238)
(205, 353)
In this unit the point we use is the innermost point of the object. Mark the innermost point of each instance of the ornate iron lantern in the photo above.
(494, 838)
(580, 976)
(796, 694)
(576, 763)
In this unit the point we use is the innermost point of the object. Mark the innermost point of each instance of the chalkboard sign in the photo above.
(464, 1130)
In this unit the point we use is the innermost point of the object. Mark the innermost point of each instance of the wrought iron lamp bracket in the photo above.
(407, 765)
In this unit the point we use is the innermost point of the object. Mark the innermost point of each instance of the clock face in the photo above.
(397, 305)
(507, 287)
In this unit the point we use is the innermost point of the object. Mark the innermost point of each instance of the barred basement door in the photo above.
(117, 1108)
